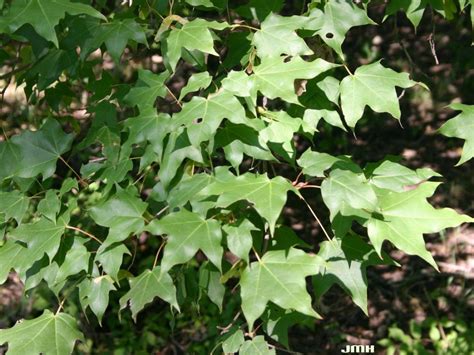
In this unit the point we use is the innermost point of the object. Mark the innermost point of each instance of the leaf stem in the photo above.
(174, 97)
(81, 181)
(158, 253)
(160, 212)
(237, 25)
(347, 69)
(85, 233)
(256, 254)
(317, 219)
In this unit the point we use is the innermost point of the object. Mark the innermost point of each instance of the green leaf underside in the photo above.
(462, 126)
(279, 278)
(407, 216)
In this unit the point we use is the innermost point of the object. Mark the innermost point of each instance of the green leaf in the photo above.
(70, 260)
(44, 15)
(11, 257)
(414, 9)
(233, 343)
(187, 189)
(275, 77)
(111, 257)
(149, 126)
(146, 287)
(277, 36)
(196, 82)
(147, 89)
(407, 216)
(396, 177)
(94, 293)
(187, 233)
(37, 152)
(257, 345)
(122, 213)
(239, 84)
(260, 9)
(239, 238)
(177, 150)
(209, 282)
(278, 277)
(205, 3)
(315, 163)
(49, 333)
(462, 126)
(238, 140)
(10, 155)
(211, 111)
(338, 18)
(372, 85)
(42, 237)
(347, 193)
(345, 264)
(268, 196)
(115, 34)
(13, 204)
(280, 132)
(311, 119)
(193, 35)
(276, 323)
(50, 205)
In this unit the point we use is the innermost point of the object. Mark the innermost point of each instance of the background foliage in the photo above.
(223, 165)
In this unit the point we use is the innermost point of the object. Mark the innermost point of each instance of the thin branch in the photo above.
(85, 233)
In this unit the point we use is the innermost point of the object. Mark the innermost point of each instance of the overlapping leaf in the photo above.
(193, 35)
(268, 196)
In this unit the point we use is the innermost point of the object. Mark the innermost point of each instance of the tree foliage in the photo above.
(207, 179)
